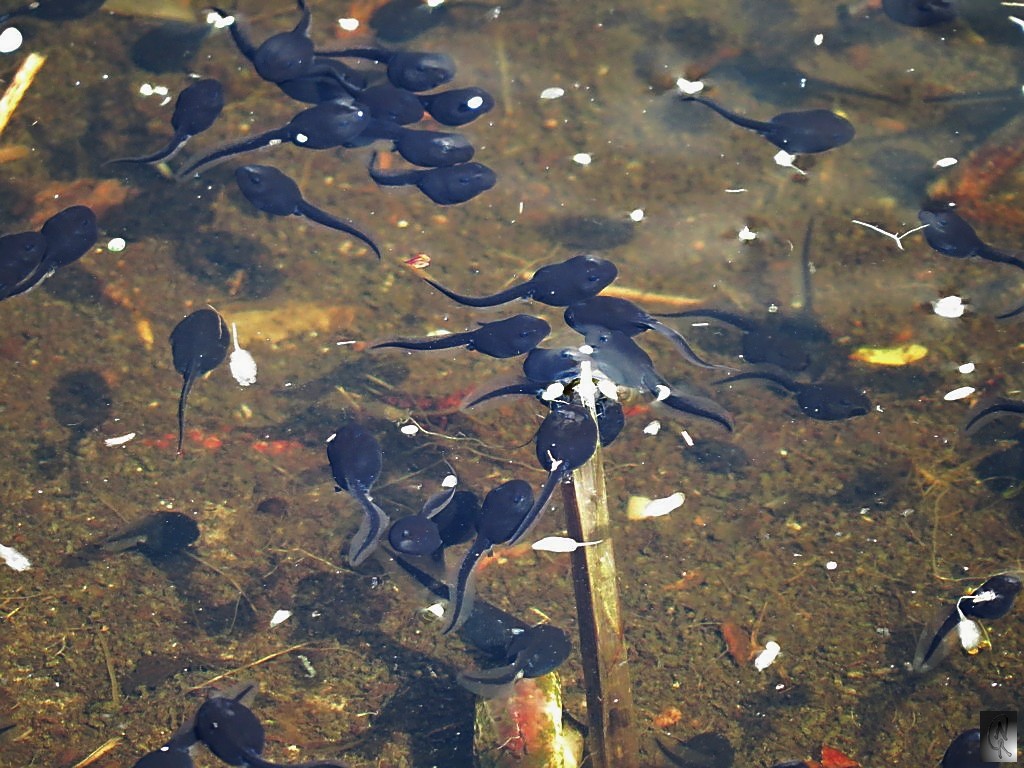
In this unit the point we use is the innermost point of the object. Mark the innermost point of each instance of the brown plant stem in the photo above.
(612, 740)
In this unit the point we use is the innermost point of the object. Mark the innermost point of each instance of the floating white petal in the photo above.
(14, 558)
(767, 657)
(280, 616)
(10, 40)
(958, 394)
(949, 306)
(689, 87)
(561, 544)
(241, 362)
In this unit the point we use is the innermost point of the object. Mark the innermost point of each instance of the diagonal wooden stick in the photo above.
(19, 85)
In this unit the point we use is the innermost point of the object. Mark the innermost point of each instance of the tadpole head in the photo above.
(568, 435)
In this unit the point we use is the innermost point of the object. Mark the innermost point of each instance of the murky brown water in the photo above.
(116, 649)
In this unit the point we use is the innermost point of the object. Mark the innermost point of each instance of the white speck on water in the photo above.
(689, 87)
(10, 40)
(14, 558)
(218, 21)
(945, 162)
(949, 306)
(966, 368)
(112, 442)
(652, 428)
(116, 244)
(450, 481)
(958, 394)
(831, 565)
(279, 617)
(819, 39)
(474, 102)
(409, 429)
(349, 24)
(241, 363)
(747, 234)
(554, 92)
(636, 215)
(785, 159)
(767, 657)
(661, 507)
(553, 391)
(561, 544)
(582, 158)
(608, 388)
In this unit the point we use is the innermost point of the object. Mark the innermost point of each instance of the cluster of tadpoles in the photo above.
(28, 258)
(566, 439)
(347, 112)
(226, 727)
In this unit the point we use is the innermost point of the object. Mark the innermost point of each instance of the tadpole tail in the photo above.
(521, 388)
(555, 478)
(684, 347)
(782, 381)
(165, 153)
(461, 590)
(704, 407)
(502, 297)
(391, 178)
(450, 341)
(323, 217)
(229, 150)
(730, 318)
(186, 387)
(494, 683)
(986, 412)
(375, 521)
(740, 120)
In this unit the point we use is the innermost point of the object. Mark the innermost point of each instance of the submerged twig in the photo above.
(612, 738)
(19, 85)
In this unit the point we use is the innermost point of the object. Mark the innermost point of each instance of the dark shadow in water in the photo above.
(435, 714)
(81, 402)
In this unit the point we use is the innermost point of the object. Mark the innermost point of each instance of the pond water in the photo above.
(839, 540)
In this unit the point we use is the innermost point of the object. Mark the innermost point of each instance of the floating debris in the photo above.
(14, 558)
(903, 355)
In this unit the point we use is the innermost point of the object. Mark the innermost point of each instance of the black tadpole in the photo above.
(449, 185)
(510, 337)
(805, 132)
(195, 110)
(821, 400)
(501, 515)
(557, 285)
(324, 126)
(565, 441)
(948, 233)
(412, 70)
(532, 653)
(199, 343)
(272, 192)
(356, 462)
(233, 733)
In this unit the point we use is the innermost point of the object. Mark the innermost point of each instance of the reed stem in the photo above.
(612, 740)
